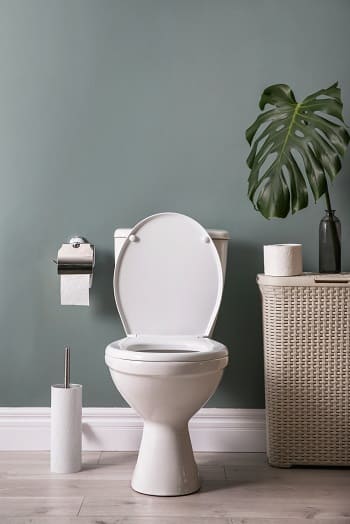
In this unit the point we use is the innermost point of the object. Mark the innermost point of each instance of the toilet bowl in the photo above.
(168, 284)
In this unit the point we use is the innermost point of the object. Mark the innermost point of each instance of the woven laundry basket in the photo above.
(306, 322)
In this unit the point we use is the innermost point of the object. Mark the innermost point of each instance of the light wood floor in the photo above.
(237, 488)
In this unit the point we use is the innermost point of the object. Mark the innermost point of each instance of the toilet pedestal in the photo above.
(165, 464)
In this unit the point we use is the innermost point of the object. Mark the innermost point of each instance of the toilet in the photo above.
(168, 282)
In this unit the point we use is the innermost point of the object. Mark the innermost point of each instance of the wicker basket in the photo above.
(307, 366)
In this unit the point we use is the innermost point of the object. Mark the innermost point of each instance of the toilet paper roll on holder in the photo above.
(76, 257)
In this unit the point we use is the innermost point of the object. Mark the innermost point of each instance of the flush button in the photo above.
(132, 238)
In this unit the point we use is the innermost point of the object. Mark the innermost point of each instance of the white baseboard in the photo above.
(120, 429)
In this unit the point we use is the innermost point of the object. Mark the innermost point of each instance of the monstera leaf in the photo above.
(294, 145)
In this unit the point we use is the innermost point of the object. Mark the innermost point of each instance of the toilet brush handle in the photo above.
(66, 367)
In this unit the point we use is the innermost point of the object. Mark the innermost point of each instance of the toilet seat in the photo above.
(193, 356)
(149, 348)
(168, 278)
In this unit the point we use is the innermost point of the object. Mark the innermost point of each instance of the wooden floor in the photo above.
(237, 488)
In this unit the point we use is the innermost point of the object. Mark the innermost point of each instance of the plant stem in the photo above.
(334, 231)
(328, 200)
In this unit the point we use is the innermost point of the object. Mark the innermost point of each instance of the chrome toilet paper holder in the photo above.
(76, 257)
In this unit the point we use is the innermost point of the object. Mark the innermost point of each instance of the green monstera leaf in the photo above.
(293, 145)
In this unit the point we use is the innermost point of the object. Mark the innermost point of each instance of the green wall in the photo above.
(113, 110)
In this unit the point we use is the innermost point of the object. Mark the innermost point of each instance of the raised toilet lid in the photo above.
(168, 278)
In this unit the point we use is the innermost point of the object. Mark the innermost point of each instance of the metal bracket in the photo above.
(76, 257)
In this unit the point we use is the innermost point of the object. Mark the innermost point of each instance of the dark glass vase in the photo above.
(330, 244)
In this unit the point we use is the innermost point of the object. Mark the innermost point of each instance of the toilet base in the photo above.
(165, 465)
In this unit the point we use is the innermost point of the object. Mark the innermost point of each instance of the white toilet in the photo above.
(168, 284)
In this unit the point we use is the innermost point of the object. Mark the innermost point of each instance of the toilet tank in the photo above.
(219, 237)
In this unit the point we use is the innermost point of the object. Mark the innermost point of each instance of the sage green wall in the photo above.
(114, 110)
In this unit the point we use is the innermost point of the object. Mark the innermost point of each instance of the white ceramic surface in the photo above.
(168, 278)
(166, 400)
(283, 260)
(148, 348)
(168, 284)
(219, 237)
(66, 409)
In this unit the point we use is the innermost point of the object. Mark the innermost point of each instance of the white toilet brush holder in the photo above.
(66, 409)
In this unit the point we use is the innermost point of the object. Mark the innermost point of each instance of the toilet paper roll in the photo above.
(283, 260)
(75, 290)
(66, 410)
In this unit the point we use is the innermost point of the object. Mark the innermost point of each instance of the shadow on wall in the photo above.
(102, 288)
(239, 326)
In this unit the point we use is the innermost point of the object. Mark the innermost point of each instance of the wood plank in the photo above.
(234, 459)
(279, 520)
(118, 457)
(339, 477)
(31, 506)
(62, 488)
(164, 520)
(90, 471)
(113, 520)
(109, 488)
(34, 457)
(205, 458)
(222, 499)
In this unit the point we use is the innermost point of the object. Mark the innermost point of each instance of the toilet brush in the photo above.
(66, 409)
(66, 367)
